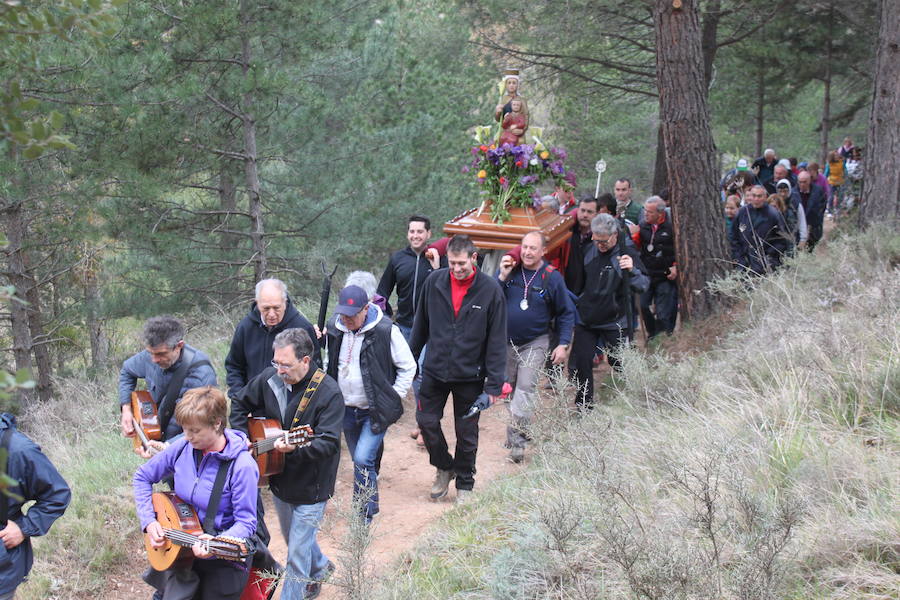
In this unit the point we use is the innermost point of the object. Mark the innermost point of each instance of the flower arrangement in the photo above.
(509, 175)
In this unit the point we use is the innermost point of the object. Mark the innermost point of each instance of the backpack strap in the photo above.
(166, 406)
(215, 497)
(4, 460)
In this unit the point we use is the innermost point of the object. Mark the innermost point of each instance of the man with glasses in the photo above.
(251, 346)
(602, 300)
(170, 367)
(294, 392)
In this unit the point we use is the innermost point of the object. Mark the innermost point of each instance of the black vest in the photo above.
(378, 371)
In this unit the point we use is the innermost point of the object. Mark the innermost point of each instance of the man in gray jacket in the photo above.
(169, 366)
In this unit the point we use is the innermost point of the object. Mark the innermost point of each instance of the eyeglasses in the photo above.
(281, 366)
(606, 241)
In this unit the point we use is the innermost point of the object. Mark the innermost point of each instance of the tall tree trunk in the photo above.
(760, 110)
(39, 341)
(260, 265)
(660, 172)
(826, 102)
(701, 247)
(14, 223)
(96, 325)
(881, 193)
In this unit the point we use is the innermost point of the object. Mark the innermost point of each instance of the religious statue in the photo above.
(514, 124)
(510, 92)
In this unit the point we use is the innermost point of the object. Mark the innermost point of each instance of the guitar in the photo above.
(182, 528)
(264, 433)
(146, 421)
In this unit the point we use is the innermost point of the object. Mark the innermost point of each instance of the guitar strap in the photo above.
(166, 406)
(308, 394)
(4, 500)
(209, 520)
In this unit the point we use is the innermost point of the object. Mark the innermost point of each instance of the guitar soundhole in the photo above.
(146, 410)
(185, 511)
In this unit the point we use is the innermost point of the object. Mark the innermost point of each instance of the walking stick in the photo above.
(626, 280)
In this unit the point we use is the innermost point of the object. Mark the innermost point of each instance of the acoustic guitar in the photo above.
(182, 528)
(146, 421)
(264, 433)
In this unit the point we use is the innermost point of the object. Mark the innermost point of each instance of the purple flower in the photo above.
(528, 179)
(556, 167)
(560, 153)
(465, 169)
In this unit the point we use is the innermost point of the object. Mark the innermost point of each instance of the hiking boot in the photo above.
(441, 483)
(464, 496)
(517, 454)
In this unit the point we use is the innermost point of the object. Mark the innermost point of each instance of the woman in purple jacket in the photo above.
(194, 461)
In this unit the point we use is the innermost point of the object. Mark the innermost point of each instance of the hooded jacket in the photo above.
(309, 472)
(251, 346)
(35, 479)
(380, 370)
(195, 473)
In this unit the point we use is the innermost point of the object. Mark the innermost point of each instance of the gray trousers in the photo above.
(523, 363)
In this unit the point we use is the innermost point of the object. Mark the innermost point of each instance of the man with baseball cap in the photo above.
(372, 363)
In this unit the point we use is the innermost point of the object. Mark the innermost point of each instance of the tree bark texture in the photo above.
(826, 101)
(881, 193)
(39, 342)
(15, 264)
(760, 110)
(257, 237)
(660, 172)
(701, 247)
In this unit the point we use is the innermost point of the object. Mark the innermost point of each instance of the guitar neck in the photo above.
(267, 444)
(187, 540)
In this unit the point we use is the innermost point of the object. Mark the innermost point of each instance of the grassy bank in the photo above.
(764, 467)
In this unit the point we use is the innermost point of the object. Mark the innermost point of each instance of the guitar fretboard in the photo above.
(219, 548)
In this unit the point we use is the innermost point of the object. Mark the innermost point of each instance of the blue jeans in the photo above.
(305, 562)
(363, 446)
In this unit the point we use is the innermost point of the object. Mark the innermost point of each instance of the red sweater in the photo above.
(458, 290)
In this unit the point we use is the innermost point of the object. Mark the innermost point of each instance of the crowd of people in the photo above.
(454, 331)
(775, 207)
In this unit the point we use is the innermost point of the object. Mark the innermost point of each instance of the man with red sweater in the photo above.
(461, 315)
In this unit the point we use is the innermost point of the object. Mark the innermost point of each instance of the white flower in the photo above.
(533, 161)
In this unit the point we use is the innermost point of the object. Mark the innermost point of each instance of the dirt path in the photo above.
(406, 509)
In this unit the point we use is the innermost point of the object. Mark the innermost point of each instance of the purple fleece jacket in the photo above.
(237, 510)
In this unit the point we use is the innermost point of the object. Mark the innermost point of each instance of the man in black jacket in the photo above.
(251, 346)
(462, 316)
(603, 300)
(658, 256)
(294, 392)
(812, 198)
(407, 270)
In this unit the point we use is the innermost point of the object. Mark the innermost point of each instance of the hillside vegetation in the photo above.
(763, 467)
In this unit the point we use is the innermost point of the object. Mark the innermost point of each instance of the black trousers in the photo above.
(585, 341)
(432, 399)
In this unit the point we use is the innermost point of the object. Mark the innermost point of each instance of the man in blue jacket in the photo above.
(536, 296)
(35, 478)
(759, 235)
(251, 346)
(170, 367)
